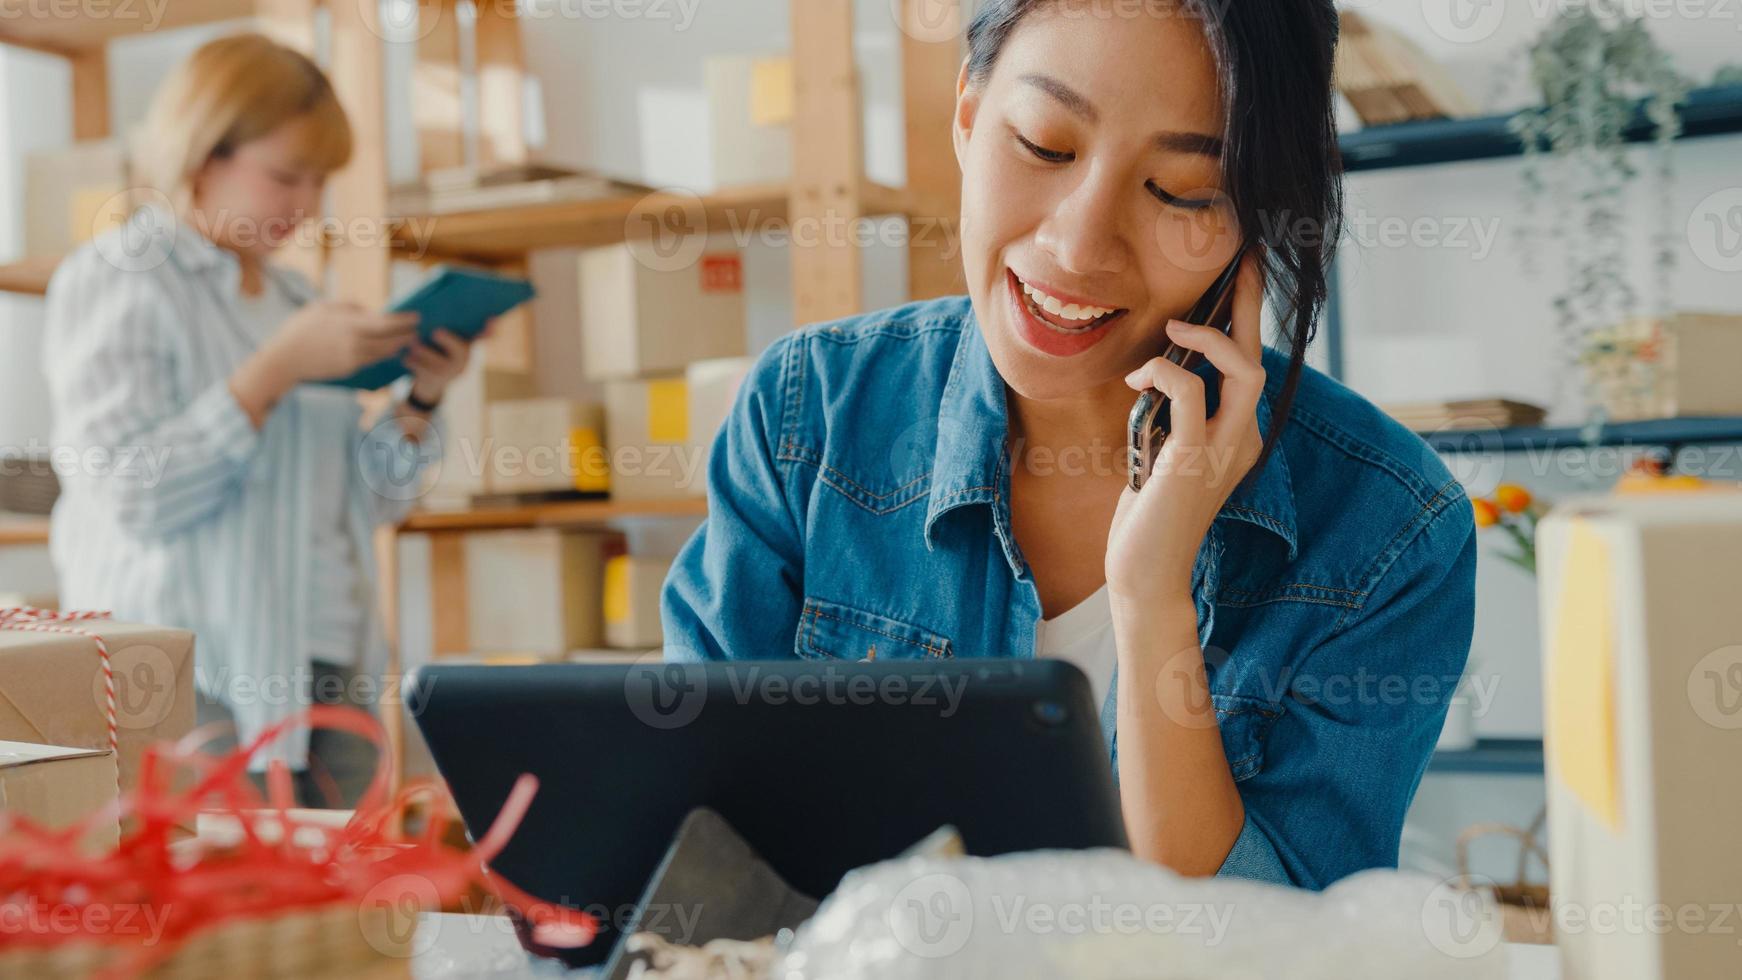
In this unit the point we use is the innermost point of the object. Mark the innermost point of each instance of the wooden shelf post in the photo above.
(828, 162)
(931, 57)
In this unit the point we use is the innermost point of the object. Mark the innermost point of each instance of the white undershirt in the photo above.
(1083, 635)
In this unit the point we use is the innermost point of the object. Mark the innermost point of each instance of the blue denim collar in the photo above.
(971, 453)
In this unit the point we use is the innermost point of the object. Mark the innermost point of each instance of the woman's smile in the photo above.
(1053, 323)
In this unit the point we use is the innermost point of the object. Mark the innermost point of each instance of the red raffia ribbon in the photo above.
(191, 892)
(48, 621)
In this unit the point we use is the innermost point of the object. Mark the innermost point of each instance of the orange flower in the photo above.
(1512, 497)
(1487, 515)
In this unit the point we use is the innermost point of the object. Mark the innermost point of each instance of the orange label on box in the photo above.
(722, 273)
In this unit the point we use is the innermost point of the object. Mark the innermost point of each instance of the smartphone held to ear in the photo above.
(1150, 423)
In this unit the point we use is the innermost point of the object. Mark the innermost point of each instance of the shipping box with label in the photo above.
(644, 312)
(547, 445)
(632, 588)
(1642, 684)
(647, 438)
(750, 102)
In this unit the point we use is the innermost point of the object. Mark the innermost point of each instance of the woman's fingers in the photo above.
(1248, 319)
(398, 325)
(1183, 389)
(446, 342)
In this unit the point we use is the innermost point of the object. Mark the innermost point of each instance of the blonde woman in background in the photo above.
(218, 488)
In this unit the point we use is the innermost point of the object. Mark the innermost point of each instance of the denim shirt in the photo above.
(859, 504)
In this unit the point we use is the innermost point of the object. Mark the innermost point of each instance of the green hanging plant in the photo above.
(1594, 67)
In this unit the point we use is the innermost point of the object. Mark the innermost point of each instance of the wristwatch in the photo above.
(419, 404)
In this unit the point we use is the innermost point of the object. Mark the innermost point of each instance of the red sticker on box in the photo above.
(722, 273)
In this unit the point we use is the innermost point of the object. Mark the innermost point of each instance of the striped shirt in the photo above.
(175, 510)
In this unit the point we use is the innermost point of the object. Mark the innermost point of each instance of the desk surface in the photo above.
(452, 947)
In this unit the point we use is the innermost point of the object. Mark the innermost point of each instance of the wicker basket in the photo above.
(339, 939)
(1526, 916)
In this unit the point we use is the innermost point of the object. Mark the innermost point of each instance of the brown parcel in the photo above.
(51, 688)
(54, 786)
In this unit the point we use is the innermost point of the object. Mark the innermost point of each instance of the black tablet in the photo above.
(822, 767)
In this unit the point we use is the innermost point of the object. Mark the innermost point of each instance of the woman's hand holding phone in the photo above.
(1153, 543)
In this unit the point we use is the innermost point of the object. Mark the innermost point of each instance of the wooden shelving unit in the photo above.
(78, 36)
(828, 184)
(16, 533)
(28, 276)
(579, 513)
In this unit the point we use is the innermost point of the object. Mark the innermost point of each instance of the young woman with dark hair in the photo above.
(1276, 621)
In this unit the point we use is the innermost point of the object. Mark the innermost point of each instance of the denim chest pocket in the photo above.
(1244, 722)
(833, 631)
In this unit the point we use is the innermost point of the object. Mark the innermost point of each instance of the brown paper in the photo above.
(57, 786)
(51, 688)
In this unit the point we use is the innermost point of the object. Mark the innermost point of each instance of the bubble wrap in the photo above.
(1089, 915)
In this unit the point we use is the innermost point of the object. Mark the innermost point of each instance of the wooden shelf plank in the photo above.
(578, 513)
(43, 31)
(28, 531)
(507, 234)
(28, 276)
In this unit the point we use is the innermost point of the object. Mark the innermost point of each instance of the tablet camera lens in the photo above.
(1051, 713)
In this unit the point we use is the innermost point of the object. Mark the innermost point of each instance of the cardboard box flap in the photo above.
(17, 754)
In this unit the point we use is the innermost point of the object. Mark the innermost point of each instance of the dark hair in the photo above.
(1281, 166)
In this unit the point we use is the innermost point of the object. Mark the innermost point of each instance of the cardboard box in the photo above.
(465, 438)
(711, 388)
(1689, 371)
(540, 445)
(632, 588)
(52, 686)
(647, 435)
(71, 195)
(1642, 687)
(638, 320)
(535, 591)
(57, 786)
(750, 103)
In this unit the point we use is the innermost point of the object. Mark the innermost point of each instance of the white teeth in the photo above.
(1059, 308)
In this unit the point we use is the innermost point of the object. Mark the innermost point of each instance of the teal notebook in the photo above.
(461, 301)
